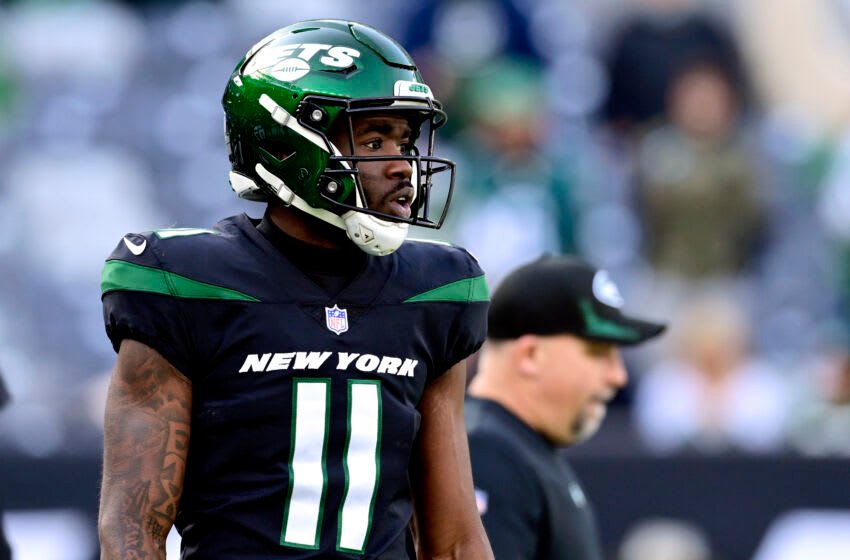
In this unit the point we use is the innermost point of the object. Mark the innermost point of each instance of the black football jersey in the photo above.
(304, 407)
(532, 504)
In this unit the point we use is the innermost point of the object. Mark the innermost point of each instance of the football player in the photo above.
(292, 386)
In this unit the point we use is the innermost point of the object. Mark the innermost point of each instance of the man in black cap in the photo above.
(550, 364)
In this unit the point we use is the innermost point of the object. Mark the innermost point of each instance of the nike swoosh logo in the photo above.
(136, 249)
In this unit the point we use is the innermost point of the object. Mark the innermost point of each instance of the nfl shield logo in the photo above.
(336, 319)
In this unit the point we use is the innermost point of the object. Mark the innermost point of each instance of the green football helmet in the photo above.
(297, 85)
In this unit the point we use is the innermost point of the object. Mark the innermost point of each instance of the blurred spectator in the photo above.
(514, 199)
(453, 40)
(697, 189)
(468, 33)
(650, 48)
(713, 395)
(799, 53)
(820, 424)
(833, 210)
(664, 539)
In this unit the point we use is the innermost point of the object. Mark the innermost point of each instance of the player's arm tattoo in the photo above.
(146, 439)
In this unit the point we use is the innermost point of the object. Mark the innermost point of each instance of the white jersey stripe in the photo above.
(308, 470)
(361, 464)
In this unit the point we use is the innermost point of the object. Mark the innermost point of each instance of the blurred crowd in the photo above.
(697, 150)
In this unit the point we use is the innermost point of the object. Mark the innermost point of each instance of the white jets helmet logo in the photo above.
(289, 63)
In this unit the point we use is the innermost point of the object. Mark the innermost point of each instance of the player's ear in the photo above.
(525, 354)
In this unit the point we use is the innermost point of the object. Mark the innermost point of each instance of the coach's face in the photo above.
(576, 379)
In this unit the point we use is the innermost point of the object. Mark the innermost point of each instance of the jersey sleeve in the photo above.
(469, 328)
(509, 498)
(138, 304)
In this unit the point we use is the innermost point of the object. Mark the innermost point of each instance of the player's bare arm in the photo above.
(146, 436)
(448, 522)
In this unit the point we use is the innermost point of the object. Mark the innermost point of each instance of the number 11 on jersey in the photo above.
(308, 477)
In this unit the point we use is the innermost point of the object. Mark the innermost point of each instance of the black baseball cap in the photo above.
(564, 295)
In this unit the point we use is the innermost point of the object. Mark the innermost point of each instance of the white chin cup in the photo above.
(373, 235)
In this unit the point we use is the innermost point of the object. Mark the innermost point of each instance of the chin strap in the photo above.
(371, 234)
(289, 198)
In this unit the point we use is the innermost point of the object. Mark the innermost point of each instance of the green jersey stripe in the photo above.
(466, 290)
(123, 275)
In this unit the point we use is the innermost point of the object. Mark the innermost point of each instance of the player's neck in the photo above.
(306, 228)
